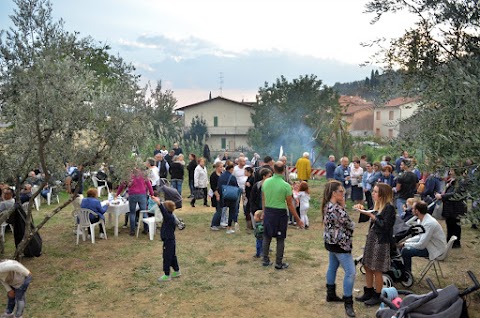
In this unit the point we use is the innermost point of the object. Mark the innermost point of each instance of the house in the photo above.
(358, 113)
(228, 121)
(388, 117)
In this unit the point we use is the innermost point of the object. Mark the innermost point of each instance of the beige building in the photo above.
(358, 113)
(388, 117)
(227, 121)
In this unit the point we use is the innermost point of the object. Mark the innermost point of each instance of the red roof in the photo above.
(399, 101)
(353, 104)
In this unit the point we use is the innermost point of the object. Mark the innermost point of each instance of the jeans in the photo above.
(346, 261)
(177, 184)
(217, 216)
(191, 185)
(232, 211)
(133, 199)
(19, 298)
(400, 203)
(44, 193)
(259, 247)
(408, 253)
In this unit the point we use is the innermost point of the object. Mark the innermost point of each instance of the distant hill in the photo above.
(376, 88)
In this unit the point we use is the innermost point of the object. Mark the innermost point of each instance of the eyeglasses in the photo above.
(341, 191)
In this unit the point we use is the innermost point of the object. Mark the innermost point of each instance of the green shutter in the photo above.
(215, 121)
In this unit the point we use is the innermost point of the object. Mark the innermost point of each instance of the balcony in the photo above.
(229, 130)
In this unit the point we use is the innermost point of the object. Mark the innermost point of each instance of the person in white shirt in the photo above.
(430, 244)
(15, 278)
(153, 175)
(239, 173)
(200, 182)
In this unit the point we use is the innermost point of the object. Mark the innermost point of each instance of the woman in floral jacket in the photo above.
(338, 232)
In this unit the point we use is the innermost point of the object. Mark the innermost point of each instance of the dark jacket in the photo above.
(223, 180)
(167, 231)
(214, 184)
(383, 225)
(162, 168)
(453, 199)
(257, 176)
(191, 169)
(256, 197)
(176, 170)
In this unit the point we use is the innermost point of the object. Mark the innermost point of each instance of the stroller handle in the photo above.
(476, 285)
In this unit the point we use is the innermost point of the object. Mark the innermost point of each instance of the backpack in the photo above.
(258, 231)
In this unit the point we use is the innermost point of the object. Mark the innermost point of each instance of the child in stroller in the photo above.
(397, 273)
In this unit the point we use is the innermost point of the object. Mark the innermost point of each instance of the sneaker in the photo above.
(230, 231)
(257, 256)
(214, 228)
(290, 222)
(181, 226)
(6, 315)
(267, 263)
(237, 227)
(164, 278)
(132, 233)
(102, 236)
(281, 266)
(125, 226)
(88, 236)
(176, 274)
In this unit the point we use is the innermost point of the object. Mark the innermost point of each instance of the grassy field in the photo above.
(118, 277)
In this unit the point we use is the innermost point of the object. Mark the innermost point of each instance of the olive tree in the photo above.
(439, 60)
(60, 105)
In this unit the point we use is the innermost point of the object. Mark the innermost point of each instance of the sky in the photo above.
(230, 47)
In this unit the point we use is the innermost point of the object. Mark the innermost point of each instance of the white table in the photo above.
(116, 210)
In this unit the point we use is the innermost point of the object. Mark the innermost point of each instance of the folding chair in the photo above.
(435, 262)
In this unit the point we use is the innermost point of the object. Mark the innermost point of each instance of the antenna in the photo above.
(221, 84)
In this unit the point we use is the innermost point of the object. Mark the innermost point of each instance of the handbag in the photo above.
(437, 211)
(198, 193)
(229, 192)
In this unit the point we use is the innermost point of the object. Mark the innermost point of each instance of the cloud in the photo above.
(193, 63)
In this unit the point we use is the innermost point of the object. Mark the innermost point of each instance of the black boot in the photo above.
(367, 294)
(349, 306)
(332, 294)
(375, 300)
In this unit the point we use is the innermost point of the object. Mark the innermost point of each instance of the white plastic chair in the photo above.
(83, 218)
(99, 188)
(3, 228)
(150, 221)
(435, 262)
(37, 198)
(50, 194)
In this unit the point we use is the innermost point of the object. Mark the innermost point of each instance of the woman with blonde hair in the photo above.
(376, 256)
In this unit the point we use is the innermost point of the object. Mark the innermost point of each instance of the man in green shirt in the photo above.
(276, 198)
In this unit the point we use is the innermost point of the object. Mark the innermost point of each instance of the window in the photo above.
(378, 115)
(224, 143)
(377, 132)
(215, 121)
(390, 133)
(390, 115)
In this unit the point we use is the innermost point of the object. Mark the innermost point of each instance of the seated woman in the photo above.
(26, 193)
(92, 202)
(7, 200)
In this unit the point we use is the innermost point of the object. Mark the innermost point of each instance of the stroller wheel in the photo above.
(407, 279)
(387, 281)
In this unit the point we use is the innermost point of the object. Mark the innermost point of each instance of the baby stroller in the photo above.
(397, 273)
(448, 302)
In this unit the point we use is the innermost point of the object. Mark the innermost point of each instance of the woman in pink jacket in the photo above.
(138, 187)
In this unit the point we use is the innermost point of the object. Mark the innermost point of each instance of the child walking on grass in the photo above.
(167, 234)
(258, 231)
(304, 198)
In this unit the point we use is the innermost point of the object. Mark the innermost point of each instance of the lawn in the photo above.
(118, 277)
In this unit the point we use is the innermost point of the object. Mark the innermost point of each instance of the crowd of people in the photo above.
(272, 200)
